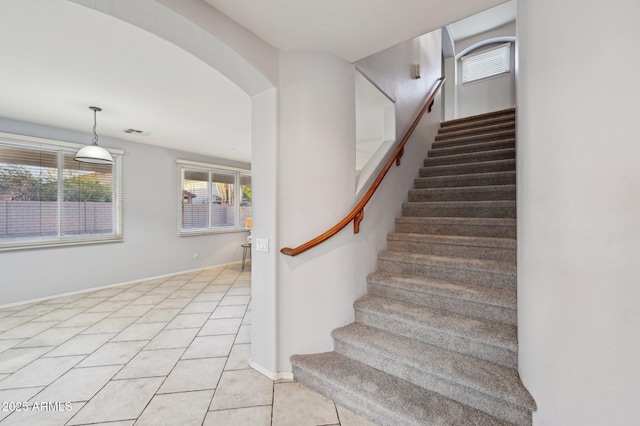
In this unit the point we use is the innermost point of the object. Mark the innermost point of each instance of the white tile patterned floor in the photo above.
(170, 351)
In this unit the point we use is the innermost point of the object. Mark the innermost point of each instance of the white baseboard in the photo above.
(88, 290)
(282, 375)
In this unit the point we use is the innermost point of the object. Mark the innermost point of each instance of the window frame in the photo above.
(183, 165)
(61, 148)
(506, 47)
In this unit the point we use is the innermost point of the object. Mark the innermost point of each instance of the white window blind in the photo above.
(488, 63)
(47, 198)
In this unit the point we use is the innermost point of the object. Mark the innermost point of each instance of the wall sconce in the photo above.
(415, 71)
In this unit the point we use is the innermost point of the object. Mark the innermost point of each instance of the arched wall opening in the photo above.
(252, 65)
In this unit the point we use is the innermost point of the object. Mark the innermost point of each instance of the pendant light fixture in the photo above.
(93, 153)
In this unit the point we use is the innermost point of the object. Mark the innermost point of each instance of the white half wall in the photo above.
(578, 209)
(151, 244)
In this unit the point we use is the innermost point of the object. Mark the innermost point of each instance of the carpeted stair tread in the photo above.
(492, 273)
(475, 147)
(479, 118)
(482, 384)
(471, 179)
(470, 226)
(486, 209)
(442, 141)
(380, 397)
(450, 289)
(471, 157)
(479, 128)
(477, 265)
(469, 193)
(468, 168)
(488, 340)
(453, 245)
(461, 240)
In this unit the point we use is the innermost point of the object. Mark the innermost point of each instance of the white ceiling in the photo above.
(350, 29)
(58, 58)
(483, 21)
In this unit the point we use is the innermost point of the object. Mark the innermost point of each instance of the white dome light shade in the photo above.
(94, 154)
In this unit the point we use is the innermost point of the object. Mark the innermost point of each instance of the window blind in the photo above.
(488, 63)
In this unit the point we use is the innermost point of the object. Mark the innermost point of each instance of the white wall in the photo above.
(151, 245)
(490, 94)
(264, 265)
(316, 156)
(506, 30)
(578, 210)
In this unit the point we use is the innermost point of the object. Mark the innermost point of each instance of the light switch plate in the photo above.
(262, 244)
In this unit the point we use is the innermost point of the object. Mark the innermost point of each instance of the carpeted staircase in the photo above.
(435, 339)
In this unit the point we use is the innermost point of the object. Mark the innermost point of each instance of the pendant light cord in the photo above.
(95, 134)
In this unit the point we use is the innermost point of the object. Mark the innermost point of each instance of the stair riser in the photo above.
(490, 279)
(451, 229)
(500, 178)
(437, 249)
(440, 338)
(399, 368)
(478, 129)
(493, 194)
(496, 116)
(469, 133)
(349, 400)
(465, 307)
(466, 149)
(430, 210)
(474, 157)
(444, 141)
(469, 168)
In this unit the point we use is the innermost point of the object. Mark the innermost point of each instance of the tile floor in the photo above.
(171, 351)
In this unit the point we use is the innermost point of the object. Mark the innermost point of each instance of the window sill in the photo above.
(212, 231)
(29, 245)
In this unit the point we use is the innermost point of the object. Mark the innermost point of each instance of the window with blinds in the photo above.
(487, 63)
(47, 198)
(212, 198)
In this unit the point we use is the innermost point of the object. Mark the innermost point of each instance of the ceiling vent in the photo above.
(136, 132)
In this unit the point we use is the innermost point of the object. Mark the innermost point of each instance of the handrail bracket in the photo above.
(399, 156)
(356, 221)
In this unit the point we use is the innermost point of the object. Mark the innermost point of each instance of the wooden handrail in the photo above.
(357, 214)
